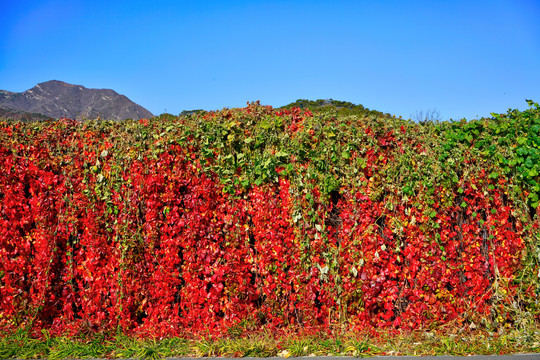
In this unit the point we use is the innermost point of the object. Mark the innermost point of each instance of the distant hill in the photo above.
(23, 116)
(321, 106)
(191, 112)
(341, 107)
(58, 99)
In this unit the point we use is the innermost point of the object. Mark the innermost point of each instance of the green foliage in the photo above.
(510, 142)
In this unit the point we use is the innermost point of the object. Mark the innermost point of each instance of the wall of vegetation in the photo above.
(261, 219)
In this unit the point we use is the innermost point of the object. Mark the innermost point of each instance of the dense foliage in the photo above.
(256, 218)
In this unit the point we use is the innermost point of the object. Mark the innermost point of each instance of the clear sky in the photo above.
(463, 58)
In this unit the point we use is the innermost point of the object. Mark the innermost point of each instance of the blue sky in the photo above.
(463, 58)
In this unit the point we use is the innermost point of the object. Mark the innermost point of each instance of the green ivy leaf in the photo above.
(493, 175)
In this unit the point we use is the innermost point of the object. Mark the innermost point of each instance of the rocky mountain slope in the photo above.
(59, 99)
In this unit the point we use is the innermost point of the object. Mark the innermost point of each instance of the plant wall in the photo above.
(251, 219)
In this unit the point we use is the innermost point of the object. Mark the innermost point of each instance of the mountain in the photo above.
(59, 99)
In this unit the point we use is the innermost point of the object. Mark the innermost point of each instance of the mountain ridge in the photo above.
(58, 99)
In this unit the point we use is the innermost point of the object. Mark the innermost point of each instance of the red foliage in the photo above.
(166, 252)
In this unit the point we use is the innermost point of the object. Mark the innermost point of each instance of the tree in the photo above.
(430, 115)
